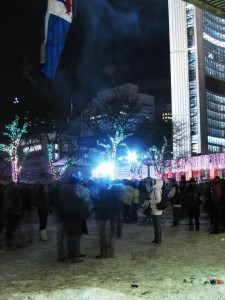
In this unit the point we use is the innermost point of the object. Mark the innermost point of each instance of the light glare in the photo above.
(105, 169)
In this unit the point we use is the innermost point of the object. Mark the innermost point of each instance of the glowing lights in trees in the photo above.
(56, 175)
(14, 133)
(64, 167)
(50, 158)
(111, 150)
(154, 157)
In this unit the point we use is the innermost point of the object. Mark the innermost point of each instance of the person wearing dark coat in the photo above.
(174, 196)
(1, 209)
(223, 204)
(115, 210)
(216, 204)
(209, 205)
(60, 234)
(109, 217)
(12, 210)
(193, 201)
(27, 204)
(71, 209)
(44, 209)
(183, 187)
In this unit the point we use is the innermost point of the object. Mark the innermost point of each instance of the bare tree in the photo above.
(112, 121)
(180, 139)
(118, 112)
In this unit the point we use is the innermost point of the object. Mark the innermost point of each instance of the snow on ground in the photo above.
(176, 269)
(103, 294)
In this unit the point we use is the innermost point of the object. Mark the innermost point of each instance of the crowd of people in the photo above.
(111, 203)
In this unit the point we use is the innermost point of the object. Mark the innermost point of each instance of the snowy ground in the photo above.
(160, 271)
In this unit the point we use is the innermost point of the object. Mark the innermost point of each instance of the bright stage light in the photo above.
(131, 157)
(105, 169)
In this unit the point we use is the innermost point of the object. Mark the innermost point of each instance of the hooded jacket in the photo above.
(156, 196)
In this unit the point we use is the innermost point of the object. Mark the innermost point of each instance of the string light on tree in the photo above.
(62, 169)
(15, 134)
(50, 158)
(154, 157)
(111, 150)
(57, 175)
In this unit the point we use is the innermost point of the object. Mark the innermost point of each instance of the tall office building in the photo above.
(197, 57)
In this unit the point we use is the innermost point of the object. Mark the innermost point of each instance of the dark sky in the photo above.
(110, 42)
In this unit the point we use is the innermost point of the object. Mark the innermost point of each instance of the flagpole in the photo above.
(75, 8)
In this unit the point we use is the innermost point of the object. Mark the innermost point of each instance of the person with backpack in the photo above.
(174, 196)
(155, 198)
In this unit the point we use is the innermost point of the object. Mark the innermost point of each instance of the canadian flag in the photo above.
(58, 19)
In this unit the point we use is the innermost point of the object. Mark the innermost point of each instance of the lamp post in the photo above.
(147, 162)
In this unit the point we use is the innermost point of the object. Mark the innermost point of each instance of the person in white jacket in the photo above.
(155, 197)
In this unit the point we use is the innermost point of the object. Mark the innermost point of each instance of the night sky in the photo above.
(110, 42)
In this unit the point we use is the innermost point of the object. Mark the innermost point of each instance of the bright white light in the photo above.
(32, 148)
(131, 157)
(105, 169)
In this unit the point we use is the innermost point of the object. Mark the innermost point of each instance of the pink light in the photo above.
(210, 163)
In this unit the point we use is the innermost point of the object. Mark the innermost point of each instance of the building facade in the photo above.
(197, 57)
